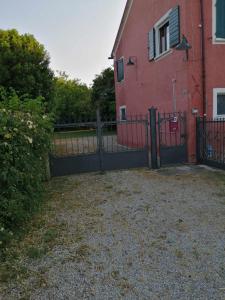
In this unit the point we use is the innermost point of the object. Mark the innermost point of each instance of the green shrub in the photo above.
(25, 138)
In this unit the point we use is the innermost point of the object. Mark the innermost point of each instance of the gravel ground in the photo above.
(136, 234)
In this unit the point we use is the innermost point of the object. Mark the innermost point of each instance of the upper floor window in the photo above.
(164, 38)
(120, 69)
(165, 34)
(219, 103)
(219, 20)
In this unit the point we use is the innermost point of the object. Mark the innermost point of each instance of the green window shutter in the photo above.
(151, 44)
(120, 70)
(220, 19)
(174, 26)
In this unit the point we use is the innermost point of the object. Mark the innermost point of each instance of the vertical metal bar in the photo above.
(219, 146)
(182, 129)
(95, 139)
(198, 140)
(127, 134)
(184, 142)
(221, 151)
(82, 140)
(223, 140)
(99, 139)
(112, 136)
(66, 140)
(72, 138)
(147, 140)
(165, 129)
(88, 141)
(118, 131)
(159, 138)
(141, 133)
(153, 138)
(171, 135)
(136, 122)
(204, 138)
(78, 145)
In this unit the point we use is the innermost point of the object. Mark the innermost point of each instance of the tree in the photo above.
(24, 65)
(72, 100)
(103, 93)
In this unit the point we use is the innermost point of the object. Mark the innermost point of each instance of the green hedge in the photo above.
(25, 138)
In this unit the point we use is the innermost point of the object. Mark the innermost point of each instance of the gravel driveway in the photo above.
(136, 234)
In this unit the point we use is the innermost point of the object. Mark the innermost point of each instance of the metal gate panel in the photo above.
(124, 160)
(61, 166)
(210, 135)
(173, 155)
(172, 138)
(100, 146)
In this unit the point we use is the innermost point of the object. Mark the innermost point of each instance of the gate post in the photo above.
(153, 131)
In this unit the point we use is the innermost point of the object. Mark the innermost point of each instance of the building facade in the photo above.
(170, 54)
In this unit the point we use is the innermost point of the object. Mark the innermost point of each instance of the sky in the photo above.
(78, 34)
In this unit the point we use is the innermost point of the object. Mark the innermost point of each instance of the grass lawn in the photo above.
(81, 133)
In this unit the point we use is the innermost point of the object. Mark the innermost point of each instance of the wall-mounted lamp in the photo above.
(184, 46)
(131, 61)
(194, 111)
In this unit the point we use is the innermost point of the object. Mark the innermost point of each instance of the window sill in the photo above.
(162, 55)
(217, 41)
(120, 82)
(219, 118)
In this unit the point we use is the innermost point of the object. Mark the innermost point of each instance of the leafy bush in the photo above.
(25, 137)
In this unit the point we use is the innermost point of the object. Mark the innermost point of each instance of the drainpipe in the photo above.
(203, 56)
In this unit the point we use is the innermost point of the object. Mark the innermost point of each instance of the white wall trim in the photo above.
(216, 92)
(215, 40)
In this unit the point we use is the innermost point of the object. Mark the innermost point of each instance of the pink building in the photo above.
(151, 71)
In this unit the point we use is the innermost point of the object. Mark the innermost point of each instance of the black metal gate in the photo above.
(100, 145)
(172, 138)
(211, 142)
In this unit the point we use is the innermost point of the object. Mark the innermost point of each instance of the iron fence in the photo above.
(81, 138)
(211, 142)
(100, 145)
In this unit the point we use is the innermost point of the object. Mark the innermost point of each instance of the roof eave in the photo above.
(121, 27)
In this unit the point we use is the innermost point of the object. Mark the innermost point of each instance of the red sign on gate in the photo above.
(173, 125)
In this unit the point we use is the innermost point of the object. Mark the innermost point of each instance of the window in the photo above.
(164, 38)
(165, 34)
(219, 21)
(123, 113)
(219, 103)
(162, 35)
(120, 70)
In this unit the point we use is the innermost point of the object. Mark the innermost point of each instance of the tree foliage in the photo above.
(72, 100)
(103, 93)
(24, 65)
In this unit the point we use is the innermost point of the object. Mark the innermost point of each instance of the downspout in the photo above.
(203, 56)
